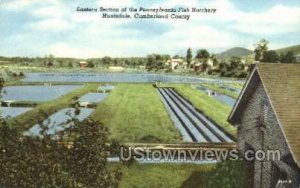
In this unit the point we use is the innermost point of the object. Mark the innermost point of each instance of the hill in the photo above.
(236, 51)
(295, 49)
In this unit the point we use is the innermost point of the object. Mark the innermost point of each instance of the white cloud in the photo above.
(115, 3)
(19, 4)
(51, 25)
(49, 11)
(65, 50)
(277, 20)
(91, 36)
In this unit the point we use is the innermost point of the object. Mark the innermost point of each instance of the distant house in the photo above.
(82, 64)
(176, 63)
(50, 64)
(267, 116)
(297, 57)
(210, 62)
(197, 66)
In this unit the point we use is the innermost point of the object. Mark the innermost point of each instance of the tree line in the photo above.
(263, 54)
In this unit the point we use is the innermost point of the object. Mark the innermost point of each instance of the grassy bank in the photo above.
(215, 110)
(236, 85)
(164, 175)
(135, 113)
(42, 111)
(216, 88)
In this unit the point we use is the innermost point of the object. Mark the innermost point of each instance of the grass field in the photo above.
(164, 175)
(220, 90)
(215, 110)
(135, 113)
(42, 111)
(236, 86)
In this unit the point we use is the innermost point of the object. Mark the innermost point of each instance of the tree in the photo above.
(215, 60)
(27, 161)
(270, 57)
(189, 57)
(176, 57)
(1, 83)
(288, 57)
(91, 64)
(202, 54)
(260, 49)
(106, 60)
(156, 61)
(89, 153)
(70, 64)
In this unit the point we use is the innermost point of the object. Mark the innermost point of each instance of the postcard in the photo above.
(140, 93)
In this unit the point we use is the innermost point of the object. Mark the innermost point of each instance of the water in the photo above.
(36, 93)
(11, 112)
(93, 97)
(114, 77)
(220, 97)
(59, 121)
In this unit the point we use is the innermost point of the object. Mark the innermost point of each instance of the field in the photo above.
(164, 175)
(135, 113)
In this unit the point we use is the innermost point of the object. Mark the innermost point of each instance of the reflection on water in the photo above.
(6, 112)
(36, 93)
(59, 121)
(113, 77)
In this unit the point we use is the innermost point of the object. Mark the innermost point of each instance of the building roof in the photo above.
(282, 84)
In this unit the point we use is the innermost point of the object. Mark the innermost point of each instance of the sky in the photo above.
(38, 28)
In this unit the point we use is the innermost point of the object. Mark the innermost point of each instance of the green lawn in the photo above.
(236, 85)
(135, 113)
(214, 109)
(216, 88)
(164, 175)
(43, 110)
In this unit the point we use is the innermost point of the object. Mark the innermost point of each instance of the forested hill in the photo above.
(236, 51)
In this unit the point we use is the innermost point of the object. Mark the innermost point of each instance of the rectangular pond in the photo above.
(93, 97)
(220, 97)
(191, 123)
(59, 121)
(36, 93)
(11, 112)
(115, 77)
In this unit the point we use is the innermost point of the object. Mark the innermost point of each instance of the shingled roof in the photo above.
(282, 84)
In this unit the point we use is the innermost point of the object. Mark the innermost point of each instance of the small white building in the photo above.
(175, 63)
(297, 57)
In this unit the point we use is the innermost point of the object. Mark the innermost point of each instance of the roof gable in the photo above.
(282, 85)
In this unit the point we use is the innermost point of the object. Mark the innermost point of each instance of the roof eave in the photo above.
(232, 116)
